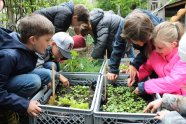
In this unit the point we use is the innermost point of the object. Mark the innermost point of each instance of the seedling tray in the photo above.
(101, 117)
(66, 115)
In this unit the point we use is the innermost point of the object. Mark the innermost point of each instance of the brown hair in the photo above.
(34, 25)
(84, 29)
(139, 27)
(168, 32)
(82, 13)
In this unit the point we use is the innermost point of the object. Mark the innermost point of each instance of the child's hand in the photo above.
(160, 115)
(132, 72)
(130, 82)
(64, 80)
(136, 91)
(153, 106)
(112, 76)
(33, 108)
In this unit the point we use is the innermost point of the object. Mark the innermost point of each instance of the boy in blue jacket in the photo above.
(18, 82)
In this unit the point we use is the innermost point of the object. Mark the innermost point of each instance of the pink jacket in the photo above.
(171, 73)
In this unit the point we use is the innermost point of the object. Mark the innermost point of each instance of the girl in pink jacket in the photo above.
(164, 60)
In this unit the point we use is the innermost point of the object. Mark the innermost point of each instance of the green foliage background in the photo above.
(125, 6)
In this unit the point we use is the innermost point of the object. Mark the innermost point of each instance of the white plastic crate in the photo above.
(101, 117)
(65, 115)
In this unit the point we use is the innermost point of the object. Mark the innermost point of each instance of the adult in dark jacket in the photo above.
(137, 29)
(66, 14)
(18, 60)
(104, 27)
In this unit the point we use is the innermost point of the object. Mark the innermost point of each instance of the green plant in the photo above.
(75, 96)
(121, 99)
(80, 64)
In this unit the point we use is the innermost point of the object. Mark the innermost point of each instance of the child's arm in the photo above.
(174, 103)
(64, 80)
(172, 83)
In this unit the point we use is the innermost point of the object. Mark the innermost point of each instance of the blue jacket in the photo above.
(119, 47)
(15, 59)
(60, 16)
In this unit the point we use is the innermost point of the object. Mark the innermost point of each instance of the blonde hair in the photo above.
(168, 32)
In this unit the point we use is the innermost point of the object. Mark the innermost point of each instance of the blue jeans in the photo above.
(48, 65)
(26, 85)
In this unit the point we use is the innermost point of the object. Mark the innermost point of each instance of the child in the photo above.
(18, 60)
(137, 29)
(104, 27)
(59, 48)
(174, 103)
(79, 43)
(66, 14)
(164, 60)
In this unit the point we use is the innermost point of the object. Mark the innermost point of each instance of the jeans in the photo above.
(26, 85)
(48, 65)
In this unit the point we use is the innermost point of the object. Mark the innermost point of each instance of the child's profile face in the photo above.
(41, 43)
(164, 48)
(56, 53)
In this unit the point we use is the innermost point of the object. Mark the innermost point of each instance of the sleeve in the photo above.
(174, 103)
(173, 117)
(101, 42)
(146, 69)
(9, 100)
(118, 51)
(140, 58)
(171, 83)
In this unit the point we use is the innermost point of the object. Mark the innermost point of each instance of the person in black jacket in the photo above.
(104, 28)
(18, 60)
(66, 14)
(136, 29)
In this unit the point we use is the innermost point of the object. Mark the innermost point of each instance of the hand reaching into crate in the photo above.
(133, 73)
(33, 108)
(153, 106)
(64, 81)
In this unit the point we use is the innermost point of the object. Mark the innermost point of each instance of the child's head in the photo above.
(166, 36)
(79, 43)
(182, 48)
(138, 28)
(36, 31)
(61, 46)
(80, 15)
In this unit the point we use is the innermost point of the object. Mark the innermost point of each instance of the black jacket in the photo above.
(60, 16)
(105, 26)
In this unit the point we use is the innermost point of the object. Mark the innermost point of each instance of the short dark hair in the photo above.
(34, 25)
(82, 13)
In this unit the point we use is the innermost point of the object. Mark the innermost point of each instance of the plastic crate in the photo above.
(65, 115)
(119, 117)
(123, 60)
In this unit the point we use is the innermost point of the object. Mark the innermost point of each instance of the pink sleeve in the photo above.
(171, 83)
(145, 69)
